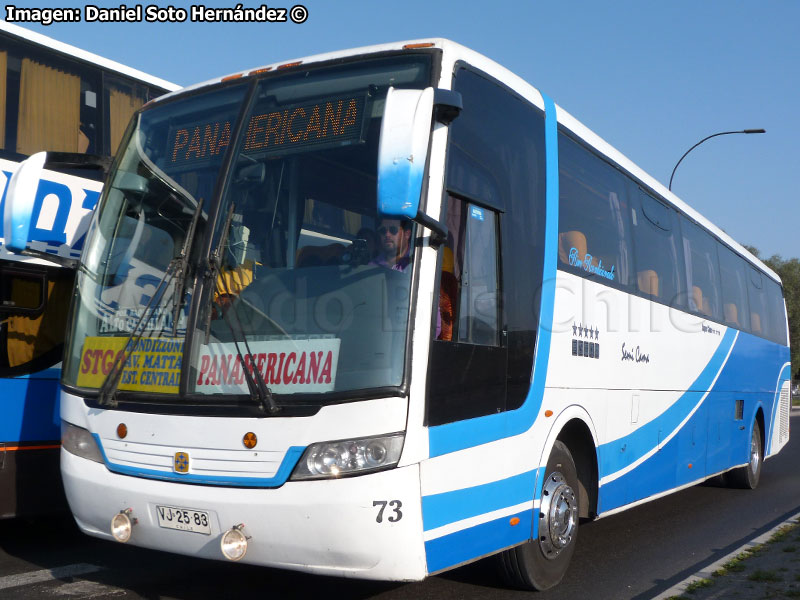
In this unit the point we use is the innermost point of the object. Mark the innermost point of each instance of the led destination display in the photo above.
(298, 127)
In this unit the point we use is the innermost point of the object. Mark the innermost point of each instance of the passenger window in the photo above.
(33, 318)
(702, 271)
(758, 303)
(776, 311)
(659, 257)
(733, 275)
(594, 237)
(469, 289)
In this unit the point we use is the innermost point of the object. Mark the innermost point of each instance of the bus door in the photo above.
(468, 358)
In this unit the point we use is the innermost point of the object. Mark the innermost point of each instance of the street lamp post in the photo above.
(708, 138)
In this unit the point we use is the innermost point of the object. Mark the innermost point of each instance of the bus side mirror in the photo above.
(21, 193)
(403, 151)
(20, 197)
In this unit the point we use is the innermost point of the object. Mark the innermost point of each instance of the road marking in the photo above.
(708, 572)
(67, 571)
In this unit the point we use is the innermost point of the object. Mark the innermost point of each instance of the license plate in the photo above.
(183, 519)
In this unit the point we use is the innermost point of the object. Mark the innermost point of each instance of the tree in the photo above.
(789, 272)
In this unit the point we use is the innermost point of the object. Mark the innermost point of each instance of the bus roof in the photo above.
(86, 57)
(455, 52)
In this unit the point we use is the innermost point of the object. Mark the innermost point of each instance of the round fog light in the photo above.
(121, 527)
(234, 543)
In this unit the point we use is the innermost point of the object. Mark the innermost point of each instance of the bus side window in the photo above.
(594, 232)
(776, 312)
(733, 274)
(35, 309)
(469, 288)
(658, 249)
(702, 271)
(758, 303)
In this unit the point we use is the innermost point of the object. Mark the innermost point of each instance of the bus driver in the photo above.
(394, 237)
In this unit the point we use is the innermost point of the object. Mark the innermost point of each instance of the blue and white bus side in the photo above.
(648, 392)
(591, 377)
(30, 428)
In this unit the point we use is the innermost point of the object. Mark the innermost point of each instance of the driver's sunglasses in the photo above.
(393, 229)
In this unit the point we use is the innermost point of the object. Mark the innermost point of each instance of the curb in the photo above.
(707, 572)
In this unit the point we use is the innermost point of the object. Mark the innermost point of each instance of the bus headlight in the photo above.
(234, 543)
(122, 525)
(78, 441)
(325, 460)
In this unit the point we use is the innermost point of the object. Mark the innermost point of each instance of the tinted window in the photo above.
(776, 311)
(734, 276)
(757, 297)
(593, 230)
(35, 303)
(702, 271)
(496, 156)
(659, 256)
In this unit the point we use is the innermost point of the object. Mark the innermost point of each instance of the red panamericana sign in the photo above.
(287, 366)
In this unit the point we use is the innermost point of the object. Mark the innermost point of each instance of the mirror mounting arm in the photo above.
(438, 229)
(447, 105)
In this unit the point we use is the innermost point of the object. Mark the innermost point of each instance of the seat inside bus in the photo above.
(648, 282)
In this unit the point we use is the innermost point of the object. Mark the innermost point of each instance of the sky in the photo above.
(651, 78)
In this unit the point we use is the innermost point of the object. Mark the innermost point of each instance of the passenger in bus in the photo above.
(448, 292)
(394, 236)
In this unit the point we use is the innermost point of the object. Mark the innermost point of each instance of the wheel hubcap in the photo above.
(558, 515)
(755, 454)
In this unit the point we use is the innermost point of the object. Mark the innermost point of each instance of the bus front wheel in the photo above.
(542, 562)
(747, 477)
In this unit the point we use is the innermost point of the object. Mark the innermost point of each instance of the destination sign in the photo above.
(155, 365)
(293, 128)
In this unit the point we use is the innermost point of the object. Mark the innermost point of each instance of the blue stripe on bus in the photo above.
(30, 410)
(708, 449)
(624, 451)
(287, 465)
(449, 507)
(452, 437)
(46, 374)
(469, 544)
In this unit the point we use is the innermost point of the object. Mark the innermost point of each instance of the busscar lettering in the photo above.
(276, 368)
(43, 16)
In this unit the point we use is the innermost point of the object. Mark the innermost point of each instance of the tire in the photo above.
(747, 477)
(542, 562)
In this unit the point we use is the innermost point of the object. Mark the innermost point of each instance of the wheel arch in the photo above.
(575, 429)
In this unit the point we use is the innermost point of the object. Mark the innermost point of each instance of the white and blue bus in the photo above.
(52, 97)
(401, 312)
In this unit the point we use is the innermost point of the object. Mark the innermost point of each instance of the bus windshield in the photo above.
(305, 283)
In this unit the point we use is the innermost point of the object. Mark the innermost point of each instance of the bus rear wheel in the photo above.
(747, 477)
(541, 563)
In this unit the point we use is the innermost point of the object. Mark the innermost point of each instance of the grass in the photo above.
(699, 584)
(736, 564)
(762, 575)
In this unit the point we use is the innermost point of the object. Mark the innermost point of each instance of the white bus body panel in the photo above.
(328, 526)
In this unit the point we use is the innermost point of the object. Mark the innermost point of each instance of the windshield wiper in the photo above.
(175, 270)
(182, 267)
(106, 396)
(259, 391)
